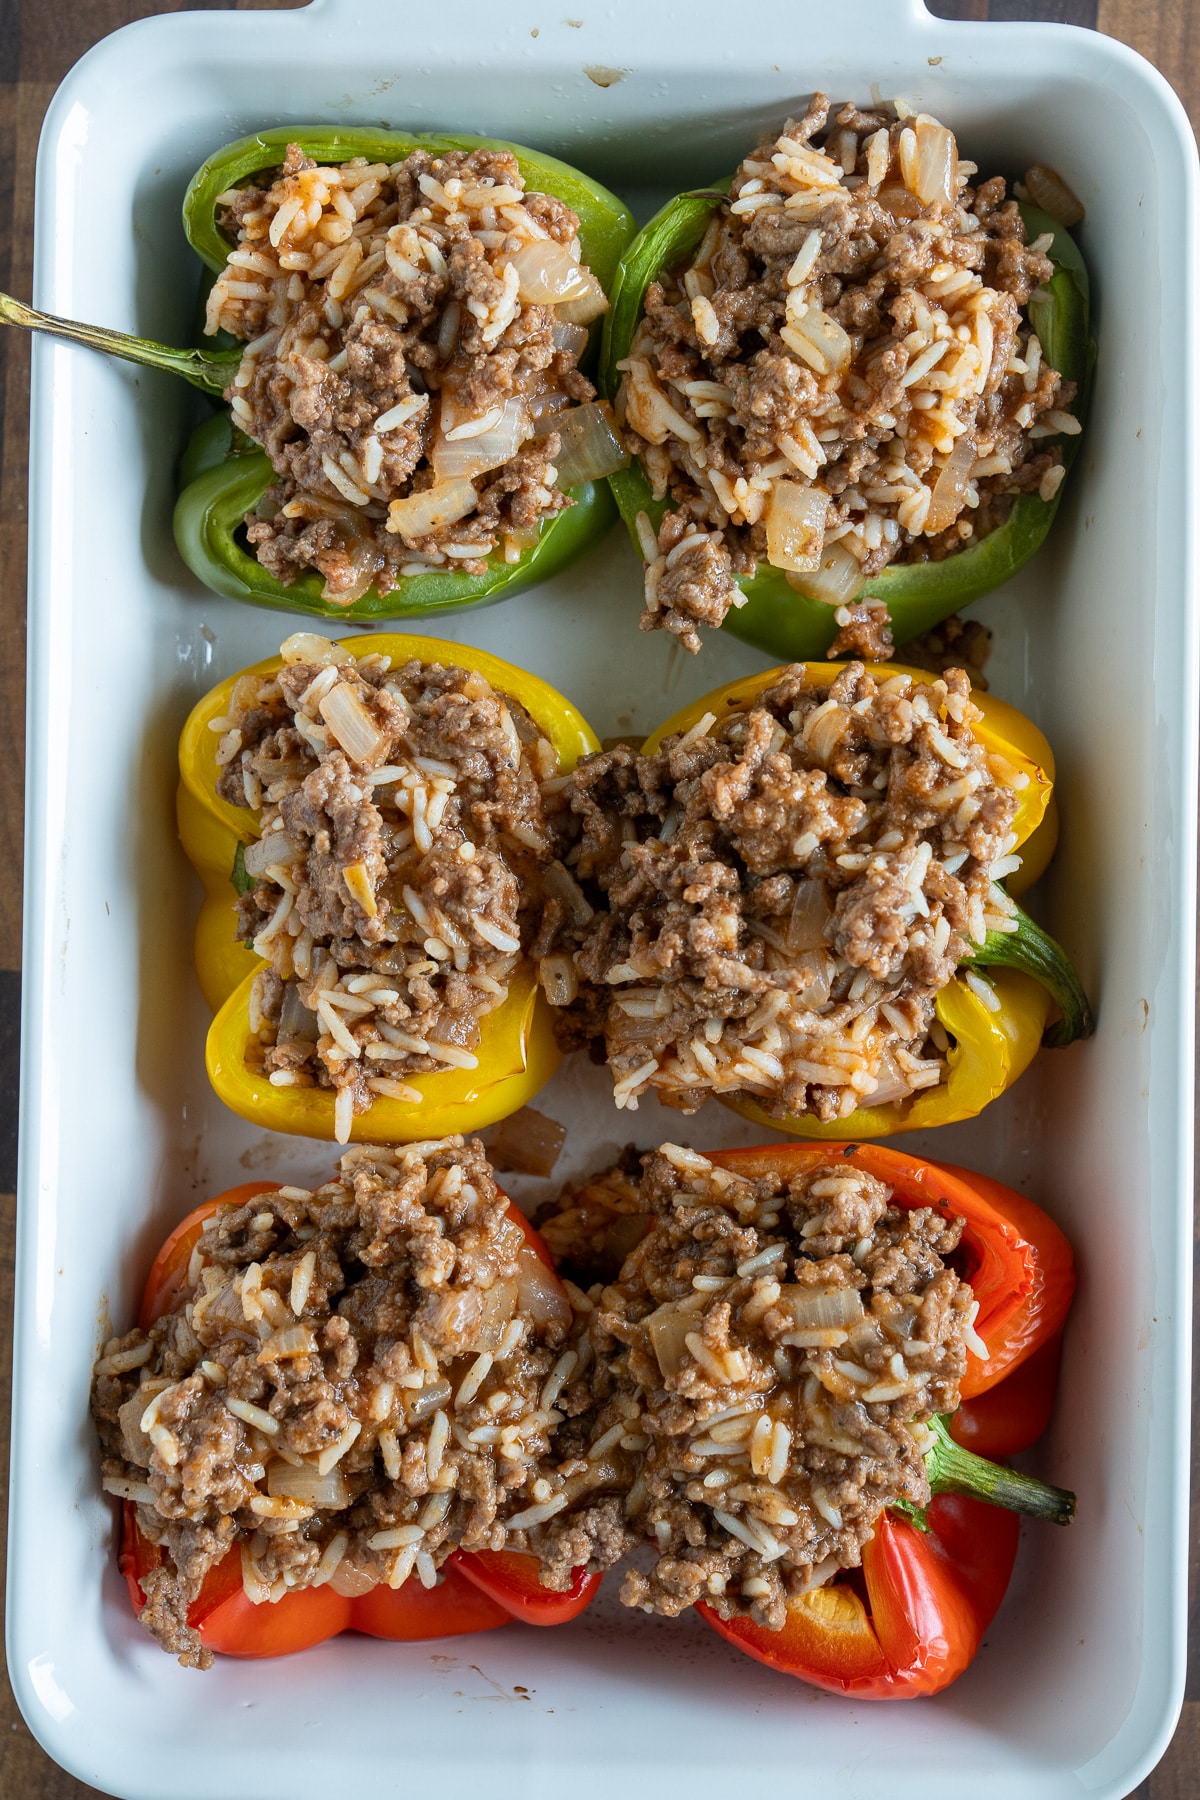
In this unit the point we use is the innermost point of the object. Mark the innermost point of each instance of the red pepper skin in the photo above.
(232, 1625)
(1013, 1414)
(1016, 1327)
(931, 1595)
(505, 1574)
(412, 1613)
(479, 1590)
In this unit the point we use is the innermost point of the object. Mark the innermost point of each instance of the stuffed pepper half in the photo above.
(783, 1357)
(851, 386)
(795, 900)
(330, 1401)
(379, 811)
(410, 429)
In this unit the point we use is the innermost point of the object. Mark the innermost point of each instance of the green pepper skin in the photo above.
(224, 476)
(209, 445)
(775, 617)
(606, 226)
(214, 504)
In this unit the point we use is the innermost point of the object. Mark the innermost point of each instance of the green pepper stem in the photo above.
(210, 372)
(953, 1470)
(1035, 953)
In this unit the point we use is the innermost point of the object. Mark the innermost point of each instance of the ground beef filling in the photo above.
(844, 376)
(392, 886)
(350, 1386)
(590, 1228)
(778, 1346)
(777, 896)
(415, 333)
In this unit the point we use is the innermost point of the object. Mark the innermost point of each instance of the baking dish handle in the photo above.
(864, 16)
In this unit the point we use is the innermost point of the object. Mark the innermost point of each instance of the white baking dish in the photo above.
(1078, 1686)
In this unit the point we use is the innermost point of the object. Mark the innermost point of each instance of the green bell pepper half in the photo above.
(223, 474)
(218, 495)
(776, 617)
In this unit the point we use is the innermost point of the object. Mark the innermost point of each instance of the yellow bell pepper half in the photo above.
(517, 1053)
(989, 1049)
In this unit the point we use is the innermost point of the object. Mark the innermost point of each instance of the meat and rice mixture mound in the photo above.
(780, 894)
(402, 828)
(415, 333)
(769, 1355)
(844, 375)
(349, 1388)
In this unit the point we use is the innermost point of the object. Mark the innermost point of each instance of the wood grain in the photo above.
(39, 42)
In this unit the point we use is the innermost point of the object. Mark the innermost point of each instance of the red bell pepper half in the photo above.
(479, 1590)
(910, 1621)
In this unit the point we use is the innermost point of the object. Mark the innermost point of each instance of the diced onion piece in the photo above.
(308, 647)
(590, 447)
(491, 449)
(443, 504)
(837, 579)
(288, 1341)
(820, 341)
(351, 723)
(350, 1582)
(582, 308)
(276, 847)
(541, 1296)
(499, 1305)
(568, 340)
(297, 1022)
(890, 1083)
(668, 1327)
(1047, 189)
(795, 520)
(353, 581)
(935, 175)
(546, 410)
(822, 1309)
(301, 1482)
(561, 885)
(814, 965)
(647, 409)
(810, 912)
(560, 983)
(527, 1143)
(426, 1401)
(950, 488)
(548, 273)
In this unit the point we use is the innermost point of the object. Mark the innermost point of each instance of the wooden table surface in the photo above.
(39, 42)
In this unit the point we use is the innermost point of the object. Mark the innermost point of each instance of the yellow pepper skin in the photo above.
(989, 1050)
(517, 1054)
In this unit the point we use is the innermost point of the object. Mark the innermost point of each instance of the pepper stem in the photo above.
(1035, 953)
(953, 1470)
(209, 371)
